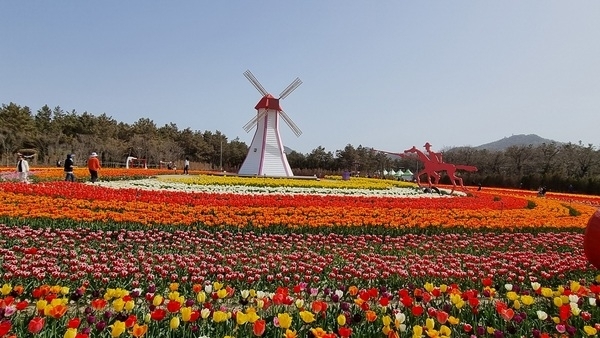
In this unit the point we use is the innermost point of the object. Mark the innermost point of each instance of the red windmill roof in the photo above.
(268, 102)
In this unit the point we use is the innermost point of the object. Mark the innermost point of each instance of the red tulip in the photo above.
(72, 324)
(259, 326)
(4, 327)
(158, 314)
(36, 325)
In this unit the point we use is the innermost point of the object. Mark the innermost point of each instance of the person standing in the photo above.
(22, 168)
(69, 165)
(186, 166)
(93, 166)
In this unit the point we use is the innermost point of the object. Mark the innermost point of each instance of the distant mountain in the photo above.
(515, 140)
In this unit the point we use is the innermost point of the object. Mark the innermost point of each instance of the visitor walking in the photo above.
(22, 168)
(69, 165)
(186, 166)
(93, 166)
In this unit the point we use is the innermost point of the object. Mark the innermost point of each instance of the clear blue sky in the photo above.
(382, 74)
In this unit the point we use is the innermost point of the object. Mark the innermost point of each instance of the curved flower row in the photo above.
(182, 185)
(91, 203)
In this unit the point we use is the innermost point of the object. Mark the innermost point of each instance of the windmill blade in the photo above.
(290, 123)
(253, 121)
(255, 83)
(287, 91)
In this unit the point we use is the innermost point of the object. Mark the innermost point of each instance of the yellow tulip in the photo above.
(428, 286)
(341, 320)
(575, 286)
(71, 333)
(241, 318)
(174, 323)
(445, 330)
(173, 295)
(186, 313)
(129, 305)
(109, 294)
(429, 323)
(386, 329)
(547, 292)
(158, 299)
(285, 320)
(307, 316)
(219, 316)
(527, 299)
(387, 320)
(118, 304)
(443, 288)
(512, 295)
(6, 289)
(557, 301)
(222, 293)
(201, 297)
(41, 304)
(453, 320)
(118, 328)
(64, 290)
(590, 330)
(517, 304)
(417, 331)
(217, 286)
(252, 316)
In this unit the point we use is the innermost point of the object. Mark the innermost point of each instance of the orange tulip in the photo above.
(139, 330)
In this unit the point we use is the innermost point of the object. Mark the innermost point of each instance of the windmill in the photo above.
(266, 154)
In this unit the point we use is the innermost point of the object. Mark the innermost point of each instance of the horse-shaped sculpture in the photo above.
(432, 167)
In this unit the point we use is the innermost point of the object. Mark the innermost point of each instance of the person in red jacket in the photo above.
(93, 166)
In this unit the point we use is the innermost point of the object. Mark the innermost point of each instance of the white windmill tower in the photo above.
(266, 154)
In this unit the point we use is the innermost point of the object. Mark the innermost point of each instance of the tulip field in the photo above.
(146, 253)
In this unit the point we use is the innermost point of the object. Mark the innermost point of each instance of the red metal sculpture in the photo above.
(433, 165)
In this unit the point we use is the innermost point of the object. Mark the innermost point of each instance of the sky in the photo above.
(381, 74)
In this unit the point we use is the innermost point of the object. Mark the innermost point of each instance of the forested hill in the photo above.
(515, 140)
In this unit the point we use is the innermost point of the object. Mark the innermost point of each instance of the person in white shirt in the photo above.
(186, 166)
(22, 168)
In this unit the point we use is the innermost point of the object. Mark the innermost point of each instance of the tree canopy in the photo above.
(53, 133)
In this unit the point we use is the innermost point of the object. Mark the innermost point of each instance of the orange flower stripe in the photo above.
(81, 202)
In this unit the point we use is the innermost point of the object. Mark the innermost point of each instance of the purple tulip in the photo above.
(101, 325)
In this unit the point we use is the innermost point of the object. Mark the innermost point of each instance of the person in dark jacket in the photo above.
(69, 165)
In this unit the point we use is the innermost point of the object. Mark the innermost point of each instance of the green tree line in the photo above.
(53, 133)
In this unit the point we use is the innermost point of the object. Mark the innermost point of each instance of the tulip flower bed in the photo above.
(225, 256)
